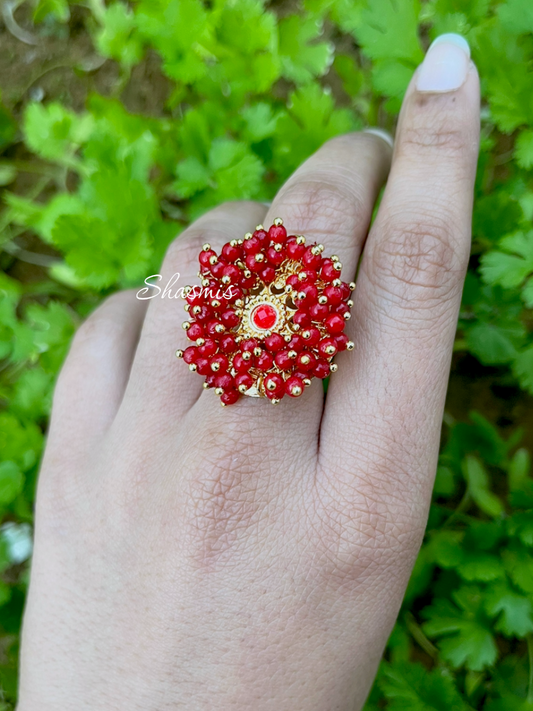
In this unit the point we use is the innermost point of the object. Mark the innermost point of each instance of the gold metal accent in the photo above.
(307, 382)
(271, 385)
(186, 325)
(347, 316)
(259, 257)
(242, 388)
(215, 367)
(205, 385)
(233, 243)
(206, 247)
(220, 328)
(278, 221)
(275, 401)
(292, 354)
(300, 239)
(257, 351)
(225, 279)
(336, 282)
(248, 236)
(219, 391)
(179, 353)
(337, 266)
(333, 367)
(213, 259)
(246, 355)
(349, 303)
(296, 391)
(352, 285)
(330, 350)
(192, 367)
(200, 341)
(350, 346)
(259, 227)
(278, 247)
(305, 359)
(322, 300)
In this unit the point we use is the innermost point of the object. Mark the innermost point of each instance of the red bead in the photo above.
(219, 363)
(203, 314)
(195, 331)
(233, 272)
(264, 317)
(230, 397)
(274, 385)
(306, 361)
(229, 318)
(210, 379)
(241, 365)
(275, 342)
(262, 236)
(252, 245)
(217, 270)
(252, 263)
(208, 349)
(294, 386)
(268, 275)
(275, 258)
(327, 347)
(296, 343)
(313, 261)
(212, 328)
(302, 319)
(294, 250)
(310, 294)
(313, 336)
(321, 369)
(333, 294)
(204, 258)
(190, 355)
(293, 281)
(249, 344)
(346, 291)
(283, 360)
(195, 296)
(227, 343)
(341, 341)
(328, 272)
(202, 366)
(232, 293)
(244, 379)
(318, 312)
(232, 253)
(341, 309)
(249, 283)
(307, 276)
(224, 381)
(264, 362)
(335, 324)
(277, 233)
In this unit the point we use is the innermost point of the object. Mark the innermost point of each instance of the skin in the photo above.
(189, 556)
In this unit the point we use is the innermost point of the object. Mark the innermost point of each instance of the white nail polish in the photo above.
(445, 66)
(381, 133)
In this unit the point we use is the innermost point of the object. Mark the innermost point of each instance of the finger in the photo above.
(329, 199)
(390, 392)
(93, 379)
(159, 381)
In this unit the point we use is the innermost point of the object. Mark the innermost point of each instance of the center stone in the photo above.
(264, 317)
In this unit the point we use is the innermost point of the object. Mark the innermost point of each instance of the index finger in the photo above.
(389, 393)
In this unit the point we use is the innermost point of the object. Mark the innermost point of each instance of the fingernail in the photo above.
(384, 135)
(445, 66)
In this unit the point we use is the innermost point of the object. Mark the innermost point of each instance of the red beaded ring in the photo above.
(268, 317)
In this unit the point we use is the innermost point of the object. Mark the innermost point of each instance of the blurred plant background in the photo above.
(122, 122)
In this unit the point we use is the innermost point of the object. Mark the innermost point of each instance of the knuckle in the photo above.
(417, 260)
(434, 131)
(322, 206)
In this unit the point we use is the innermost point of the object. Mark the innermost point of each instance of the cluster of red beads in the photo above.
(279, 365)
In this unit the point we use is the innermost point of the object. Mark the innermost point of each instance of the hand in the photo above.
(189, 556)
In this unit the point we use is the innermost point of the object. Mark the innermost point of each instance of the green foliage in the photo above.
(95, 188)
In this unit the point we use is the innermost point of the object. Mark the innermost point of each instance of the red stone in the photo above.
(294, 386)
(334, 295)
(306, 356)
(231, 253)
(341, 341)
(318, 312)
(244, 379)
(313, 261)
(275, 342)
(230, 397)
(313, 336)
(252, 245)
(224, 381)
(283, 360)
(278, 233)
(325, 345)
(264, 362)
(274, 381)
(202, 366)
(241, 365)
(229, 318)
(264, 317)
(227, 343)
(302, 319)
(275, 258)
(190, 355)
(268, 275)
(208, 349)
(195, 331)
(321, 369)
(295, 250)
(328, 272)
(335, 324)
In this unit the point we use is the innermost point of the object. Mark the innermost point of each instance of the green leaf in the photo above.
(11, 482)
(524, 150)
(477, 479)
(302, 59)
(389, 30)
(411, 686)
(55, 133)
(514, 611)
(117, 37)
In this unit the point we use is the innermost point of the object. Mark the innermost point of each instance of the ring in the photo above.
(268, 317)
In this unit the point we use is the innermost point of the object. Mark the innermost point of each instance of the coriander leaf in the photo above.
(301, 60)
(514, 611)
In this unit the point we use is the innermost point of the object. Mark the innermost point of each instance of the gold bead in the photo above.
(248, 236)
(322, 300)
(240, 241)
(300, 296)
(330, 350)
(287, 339)
(196, 310)
(233, 243)
(200, 341)
(186, 325)
(192, 367)
(246, 355)
(205, 282)
(306, 334)
(334, 258)
(302, 276)
(347, 316)
(271, 385)
(259, 257)
(247, 273)
(220, 328)
(337, 266)
(206, 247)
(292, 354)
(278, 247)
(296, 391)
(333, 367)
(350, 346)
(186, 290)
(219, 391)
(222, 404)
(225, 279)
(213, 259)
(257, 351)
(288, 288)
(179, 353)
(206, 386)
(215, 367)
(186, 306)
(305, 359)
(275, 401)
(352, 285)
(349, 303)
(336, 282)
(278, 221)
(215, 303)
(307, 382)
(300, 239)
(239, 303)
(242, 388)
(259, 227)
(296, 327)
